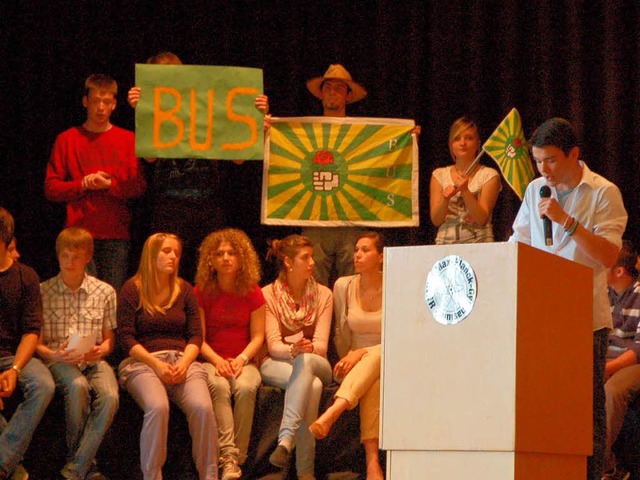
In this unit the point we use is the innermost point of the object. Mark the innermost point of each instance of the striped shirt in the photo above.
(92, 307)
(625, 310)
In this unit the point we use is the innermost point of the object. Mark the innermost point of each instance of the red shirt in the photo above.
(78, 152)
(228, 318)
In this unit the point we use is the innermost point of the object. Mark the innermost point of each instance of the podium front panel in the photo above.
(514, 375)
(449, 386)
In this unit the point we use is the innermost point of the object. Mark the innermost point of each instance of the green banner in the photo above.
(507, 145)
(340, 171)
(192, 111)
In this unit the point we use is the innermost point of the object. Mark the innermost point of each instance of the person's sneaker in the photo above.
(280, 456)
(617, 473)
(230, 468)
(19, 474)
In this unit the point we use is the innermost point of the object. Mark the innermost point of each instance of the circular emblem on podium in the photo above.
(450, 292)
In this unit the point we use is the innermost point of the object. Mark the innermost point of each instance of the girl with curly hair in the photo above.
(233, 311)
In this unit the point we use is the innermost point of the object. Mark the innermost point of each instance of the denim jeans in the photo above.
(87, 419)
(303, 378)
(110, 261)
(38, 388)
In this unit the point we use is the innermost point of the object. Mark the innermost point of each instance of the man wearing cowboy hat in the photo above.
(336, 89)
(334, 245)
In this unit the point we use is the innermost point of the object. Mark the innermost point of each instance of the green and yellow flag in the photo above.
(327, 171)
(508, 147)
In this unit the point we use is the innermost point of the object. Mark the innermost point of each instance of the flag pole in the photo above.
(473, 164)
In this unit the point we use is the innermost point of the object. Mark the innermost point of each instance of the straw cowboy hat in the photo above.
(337, 72)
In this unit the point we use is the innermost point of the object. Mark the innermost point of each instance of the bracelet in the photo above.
(574, 227)
(570, 225)
(291, 350)
(244, 358)
(17, 369)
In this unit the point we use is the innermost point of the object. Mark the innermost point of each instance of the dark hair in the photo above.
(287, 247)
(555, 132)
(627, 258)
(7, 227)
(378, 239)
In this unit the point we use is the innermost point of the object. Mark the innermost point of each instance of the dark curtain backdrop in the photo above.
(432, 61)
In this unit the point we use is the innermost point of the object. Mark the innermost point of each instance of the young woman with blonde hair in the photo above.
(159, 328)
(462, 196)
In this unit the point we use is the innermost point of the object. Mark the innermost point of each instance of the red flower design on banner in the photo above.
(323, 157)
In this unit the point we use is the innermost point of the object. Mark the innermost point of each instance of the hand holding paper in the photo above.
(82, 345)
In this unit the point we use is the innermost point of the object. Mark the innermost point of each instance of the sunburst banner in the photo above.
(507, 145)
(328, 171)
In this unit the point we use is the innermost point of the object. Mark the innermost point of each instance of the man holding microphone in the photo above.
(588, 219)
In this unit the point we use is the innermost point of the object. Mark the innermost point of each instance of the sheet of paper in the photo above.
(294, 338)
(82, 344)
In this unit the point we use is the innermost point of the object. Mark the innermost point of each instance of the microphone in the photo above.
(545, 192)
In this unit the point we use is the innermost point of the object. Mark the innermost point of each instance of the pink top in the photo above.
(318, 333)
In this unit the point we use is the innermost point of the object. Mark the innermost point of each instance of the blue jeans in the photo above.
(110, 261)
(303, 378)
(38, 388)
(87, 420)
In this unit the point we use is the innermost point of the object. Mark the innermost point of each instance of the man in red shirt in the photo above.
(93, 168)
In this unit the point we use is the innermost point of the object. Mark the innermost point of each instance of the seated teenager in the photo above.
(298, 321)
(159, 327)
(357, 303)
(232, 306)
(78, 305)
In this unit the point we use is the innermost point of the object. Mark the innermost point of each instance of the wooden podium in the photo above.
(505, 393)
